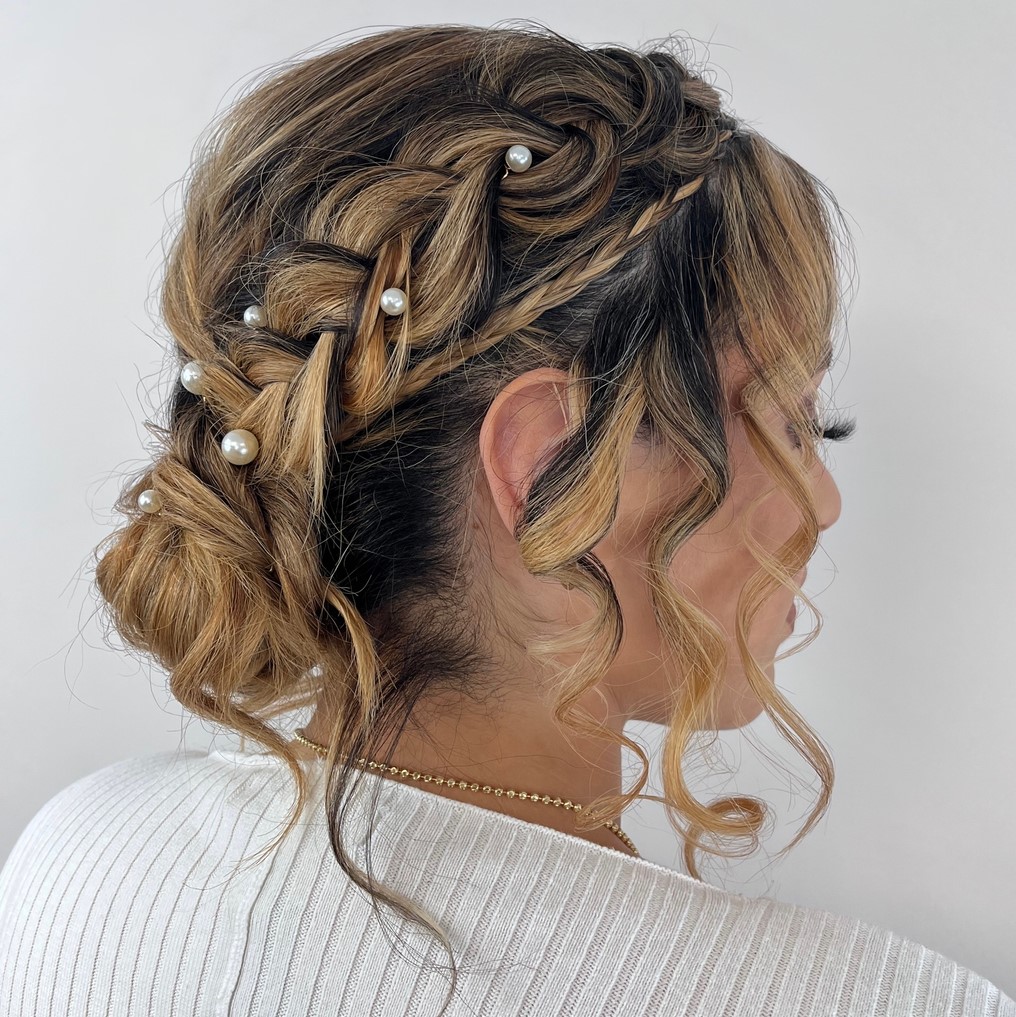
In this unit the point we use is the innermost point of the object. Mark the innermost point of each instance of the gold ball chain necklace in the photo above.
(466, 786)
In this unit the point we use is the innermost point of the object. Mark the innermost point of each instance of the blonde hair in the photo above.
(653, 233)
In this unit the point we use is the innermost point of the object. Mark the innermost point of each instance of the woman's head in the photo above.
(662, 274)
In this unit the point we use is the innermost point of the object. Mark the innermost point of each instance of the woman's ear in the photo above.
(524, 426)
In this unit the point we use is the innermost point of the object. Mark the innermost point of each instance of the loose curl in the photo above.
(653, 233)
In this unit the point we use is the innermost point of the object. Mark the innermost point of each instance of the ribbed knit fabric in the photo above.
(124, 896)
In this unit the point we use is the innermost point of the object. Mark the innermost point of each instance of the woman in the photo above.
(497, 428)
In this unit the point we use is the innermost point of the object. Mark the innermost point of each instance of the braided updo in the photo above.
(651, 232)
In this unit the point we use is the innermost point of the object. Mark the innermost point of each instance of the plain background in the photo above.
(903, 109)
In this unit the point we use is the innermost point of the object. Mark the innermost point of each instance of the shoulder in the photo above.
(599, 924)
(79, 816)
(89, 891)
(775, 957)
(92, 811)
(738, 954)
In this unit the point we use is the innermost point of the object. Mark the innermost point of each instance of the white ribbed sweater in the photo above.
(117, 900)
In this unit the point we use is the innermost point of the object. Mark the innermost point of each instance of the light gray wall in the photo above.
(904, 110)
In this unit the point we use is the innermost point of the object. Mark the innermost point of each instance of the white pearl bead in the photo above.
(518, 158)
(192, 377)
(149, 501)
(239, 446)
(255, 316)
(393, 300)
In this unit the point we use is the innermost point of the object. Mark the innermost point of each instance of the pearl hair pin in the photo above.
(255, 316)
(518, 159)
(149, 501)
(239, 447)
(192, 377)
(394, 300)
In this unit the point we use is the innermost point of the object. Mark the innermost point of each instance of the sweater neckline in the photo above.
(396, 790)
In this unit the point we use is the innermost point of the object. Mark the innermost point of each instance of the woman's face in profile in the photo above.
(711, 568)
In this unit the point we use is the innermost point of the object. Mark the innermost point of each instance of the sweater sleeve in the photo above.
(35, 902)
(76, 889)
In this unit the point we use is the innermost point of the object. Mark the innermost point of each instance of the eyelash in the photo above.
(838, 428)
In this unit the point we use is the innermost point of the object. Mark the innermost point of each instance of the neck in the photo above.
(519, 749)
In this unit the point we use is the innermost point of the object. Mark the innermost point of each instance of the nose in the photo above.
(828, 501)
